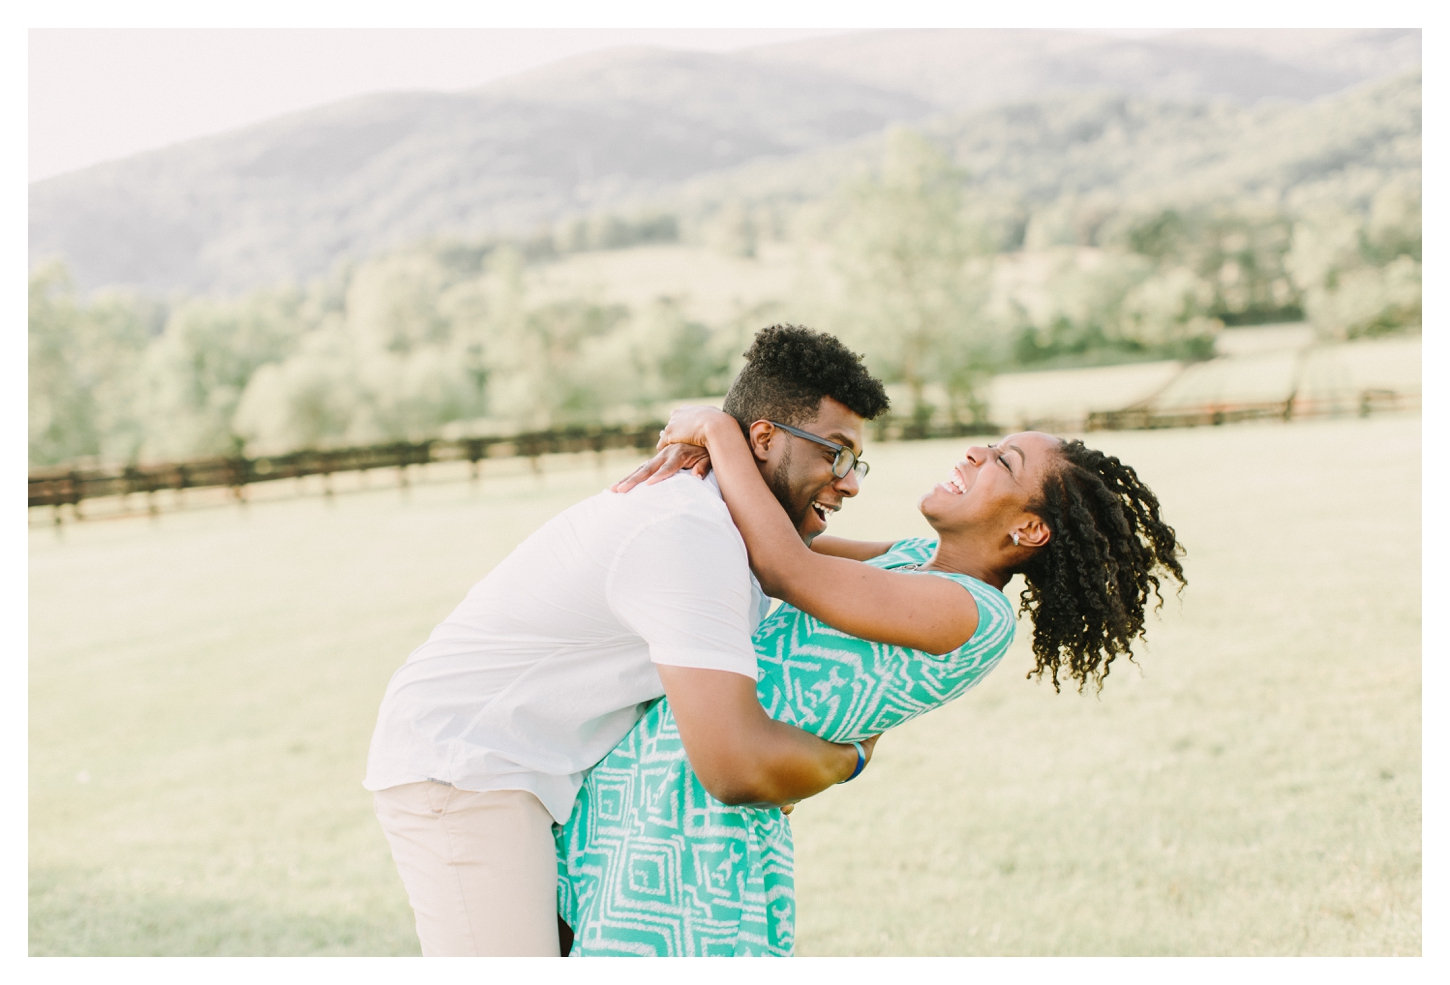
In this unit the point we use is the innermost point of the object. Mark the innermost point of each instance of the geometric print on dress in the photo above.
(651, 864)
(844, 689)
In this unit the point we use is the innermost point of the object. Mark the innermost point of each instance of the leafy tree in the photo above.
(308, 400)
(83, 363)
(1360, 274)
(902, 247)
(196, 371)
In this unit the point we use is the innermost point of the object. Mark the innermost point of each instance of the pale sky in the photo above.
(102, 94)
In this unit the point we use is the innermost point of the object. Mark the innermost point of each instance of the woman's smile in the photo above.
(957, 483)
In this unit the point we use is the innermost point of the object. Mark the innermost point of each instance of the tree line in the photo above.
(930, 283)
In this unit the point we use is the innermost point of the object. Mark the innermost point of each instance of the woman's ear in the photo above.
(761, 433)
(1032, 532)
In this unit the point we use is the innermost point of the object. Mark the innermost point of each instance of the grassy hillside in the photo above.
(288, 198)
(203, 688)
(1077, 159)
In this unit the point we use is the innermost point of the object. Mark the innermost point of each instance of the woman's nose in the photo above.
(976, 454)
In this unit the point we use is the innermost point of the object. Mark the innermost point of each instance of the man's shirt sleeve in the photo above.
(683, 584)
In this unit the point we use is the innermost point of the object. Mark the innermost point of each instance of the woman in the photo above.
(870, 635)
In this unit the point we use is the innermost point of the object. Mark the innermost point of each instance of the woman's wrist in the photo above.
(719, 427)
(857, 760)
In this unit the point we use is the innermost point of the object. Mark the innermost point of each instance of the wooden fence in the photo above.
(1366, 402)
(69, 486)
(66, 486)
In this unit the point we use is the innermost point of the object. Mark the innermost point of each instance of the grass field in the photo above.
(203, 687)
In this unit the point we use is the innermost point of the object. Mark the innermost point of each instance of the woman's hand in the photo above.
(665, 464)
(691, 425)
(681, 446)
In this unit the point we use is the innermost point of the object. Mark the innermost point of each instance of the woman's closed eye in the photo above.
(1001, 458)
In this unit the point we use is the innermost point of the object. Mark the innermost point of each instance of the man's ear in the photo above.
(762, 433)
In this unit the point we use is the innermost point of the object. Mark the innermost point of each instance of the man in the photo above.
(485, 732)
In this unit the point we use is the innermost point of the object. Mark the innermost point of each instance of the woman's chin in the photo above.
(937, 493)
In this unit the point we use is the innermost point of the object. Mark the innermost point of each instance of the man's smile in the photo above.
(824, 510)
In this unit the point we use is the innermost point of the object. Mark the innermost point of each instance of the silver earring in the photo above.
(1014, 539)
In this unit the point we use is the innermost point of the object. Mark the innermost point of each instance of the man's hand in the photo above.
(740, 754)
(666, 463)
(869, 745)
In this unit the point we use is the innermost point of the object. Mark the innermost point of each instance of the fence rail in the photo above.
(69, 486)
(65, 486)
(1366, 402)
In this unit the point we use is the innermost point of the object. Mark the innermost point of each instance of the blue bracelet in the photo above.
(860, 763)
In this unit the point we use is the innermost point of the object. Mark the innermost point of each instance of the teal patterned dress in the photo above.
(651, 864)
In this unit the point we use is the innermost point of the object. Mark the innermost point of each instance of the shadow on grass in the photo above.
(75, 914)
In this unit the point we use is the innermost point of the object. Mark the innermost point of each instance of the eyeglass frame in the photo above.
(862, 468)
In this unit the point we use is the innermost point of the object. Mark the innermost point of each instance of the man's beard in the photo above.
(779, 483)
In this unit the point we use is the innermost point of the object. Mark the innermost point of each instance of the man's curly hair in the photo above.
(789, 369)
(1087, 588)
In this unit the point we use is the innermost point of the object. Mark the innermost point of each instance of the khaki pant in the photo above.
(479, 868)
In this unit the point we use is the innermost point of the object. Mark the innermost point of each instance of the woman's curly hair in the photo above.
(1088, 586)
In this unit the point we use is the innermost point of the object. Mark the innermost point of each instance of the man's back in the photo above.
(547, 662)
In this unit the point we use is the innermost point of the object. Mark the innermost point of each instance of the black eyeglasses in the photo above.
(846, 459)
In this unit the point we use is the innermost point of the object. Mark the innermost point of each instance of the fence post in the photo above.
(74, 482)
(475, 452)
(239, 480)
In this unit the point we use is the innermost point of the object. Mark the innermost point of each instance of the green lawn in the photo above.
(203, 687)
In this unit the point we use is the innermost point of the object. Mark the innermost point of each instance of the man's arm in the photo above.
(682, 583)
(743, 756)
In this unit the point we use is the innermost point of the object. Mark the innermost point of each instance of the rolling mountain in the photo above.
(289, 197)
(1091, 151)
(961, 69)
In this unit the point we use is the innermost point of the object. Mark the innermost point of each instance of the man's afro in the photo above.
(790, 368)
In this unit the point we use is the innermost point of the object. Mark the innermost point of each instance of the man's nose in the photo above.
(849, 484)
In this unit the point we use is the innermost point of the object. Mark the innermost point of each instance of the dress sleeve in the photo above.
(682, 583)
(842, 688)
(996, 625)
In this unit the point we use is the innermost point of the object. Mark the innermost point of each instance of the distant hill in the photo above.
(960, 69)
(288, 198)
(1134, 152)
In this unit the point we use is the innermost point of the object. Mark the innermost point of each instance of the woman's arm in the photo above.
(918, 611)
(695, 458)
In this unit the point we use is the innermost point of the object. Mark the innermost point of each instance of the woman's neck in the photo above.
(955, 556)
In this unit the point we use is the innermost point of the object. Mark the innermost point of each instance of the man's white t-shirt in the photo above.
(549, 661)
